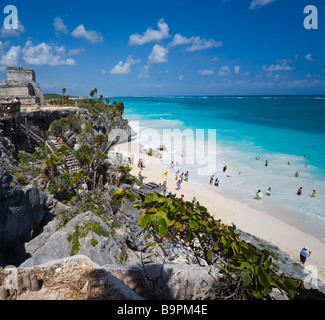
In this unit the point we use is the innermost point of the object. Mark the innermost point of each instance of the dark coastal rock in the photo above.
(21, 210)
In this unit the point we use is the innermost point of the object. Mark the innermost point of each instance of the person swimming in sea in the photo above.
(313, 194)
(258, 195)
(297, 174)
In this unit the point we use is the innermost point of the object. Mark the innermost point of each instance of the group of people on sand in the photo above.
(141, 165)
(180, 178)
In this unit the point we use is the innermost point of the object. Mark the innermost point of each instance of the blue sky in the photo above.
(193, 47)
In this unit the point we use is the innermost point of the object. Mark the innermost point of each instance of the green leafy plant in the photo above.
(193, 227)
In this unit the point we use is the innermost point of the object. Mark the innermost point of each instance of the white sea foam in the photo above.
(245, 175)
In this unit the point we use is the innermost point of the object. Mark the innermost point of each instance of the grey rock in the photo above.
(55, 244)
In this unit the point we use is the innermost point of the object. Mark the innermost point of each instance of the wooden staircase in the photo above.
(52, 143)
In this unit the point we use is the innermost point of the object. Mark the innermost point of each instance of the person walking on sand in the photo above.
(141, 176)
(176, 176)
(313, 194)
(266, 163)
(178, 185)
(186, 176)
(304, 254)
(216, 182)
(299, 193)
(224, 169)
(297, 174)
(211, 179)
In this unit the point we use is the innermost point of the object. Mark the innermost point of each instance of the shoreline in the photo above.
(259, 223)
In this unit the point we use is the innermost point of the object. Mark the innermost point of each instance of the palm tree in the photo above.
(63, 92)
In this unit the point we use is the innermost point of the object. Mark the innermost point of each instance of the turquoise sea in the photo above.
(279, 129)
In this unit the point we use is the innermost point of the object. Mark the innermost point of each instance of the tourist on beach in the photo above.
(288, 163)
(172, 165)
(182, 177)
(186, 176)
(194, 200)
(139, 162)
(176, 176)
(297, 174)
(216, 182)
(258, 158)
(211, 179)
(266, 163)
(268, 192)
(141, 177)
(178, 185)
(304, 254)
(234, 226)
(224, 169)
(313, 194)
(182, 198)
(299, 191)
(258, 195)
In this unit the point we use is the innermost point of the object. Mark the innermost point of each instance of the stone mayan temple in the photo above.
(21, 83)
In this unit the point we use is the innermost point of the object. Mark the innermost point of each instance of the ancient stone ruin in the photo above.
(21, 83)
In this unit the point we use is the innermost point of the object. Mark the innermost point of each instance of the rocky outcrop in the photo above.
(72, 278)
(85, 234)
(21, 208)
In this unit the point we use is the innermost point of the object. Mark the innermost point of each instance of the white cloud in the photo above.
(8, 33)
(179, 40)
(180, 78)
(11, 58)
(281, 66)
(144, 72)
(150, 34)
(124, 68)
(236, 69)
(205, 72)
(309, 58)
(44, 54)
(91, 36)
(74, 52)
(60, 26)
(103, 71)
(158, 55)
(255, 4)
(224, 71)
(197, 44)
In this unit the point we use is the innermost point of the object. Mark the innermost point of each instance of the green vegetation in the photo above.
(190, 225)
(81, 231)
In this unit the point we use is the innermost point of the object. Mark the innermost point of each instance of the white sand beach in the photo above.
(259, 223)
